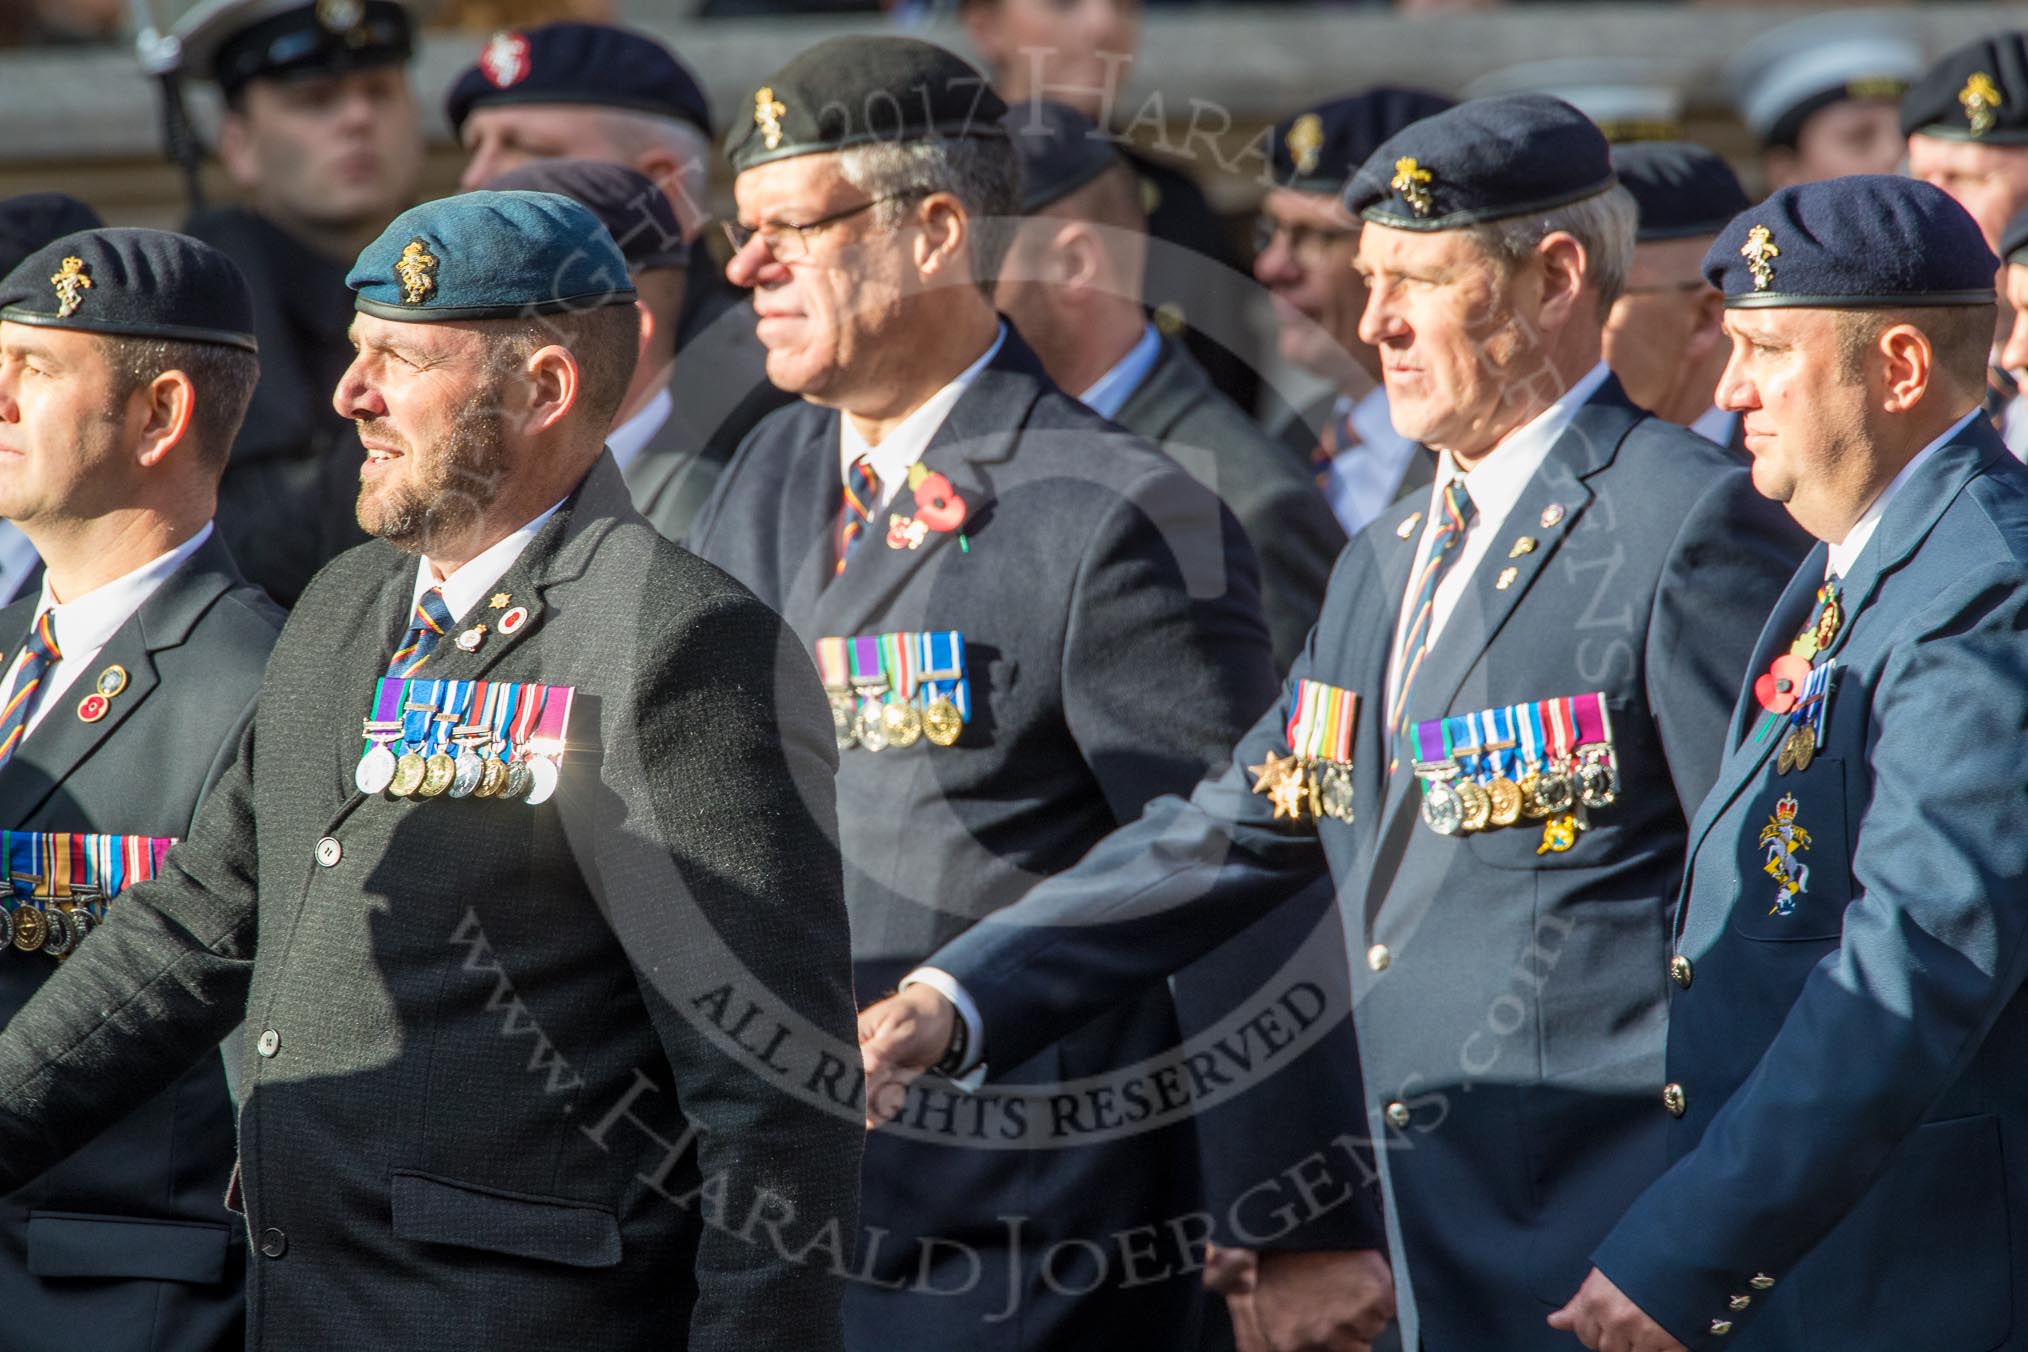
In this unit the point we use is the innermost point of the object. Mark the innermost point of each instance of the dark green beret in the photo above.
(1483, 160)
(861, 91)
(132, 283)
(1978, 92)
(490, 255)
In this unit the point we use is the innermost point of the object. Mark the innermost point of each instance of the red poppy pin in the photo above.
(1779, 689)
(937, 508)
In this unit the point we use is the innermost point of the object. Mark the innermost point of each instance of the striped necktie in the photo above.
(1339, 437)
(1443, 552)
(432, 620)
(41, 654)
(862, 491)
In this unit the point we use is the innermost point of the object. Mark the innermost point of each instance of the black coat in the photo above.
(1114, 642)
(127, 1245)
(476, 1031)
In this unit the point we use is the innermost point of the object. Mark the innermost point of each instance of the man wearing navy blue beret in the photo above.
(1499, 788)
(1847, 1020)
(534, 807)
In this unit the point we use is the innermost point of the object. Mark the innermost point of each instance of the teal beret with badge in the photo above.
(490, 255)
(863, 90)
(132, 283)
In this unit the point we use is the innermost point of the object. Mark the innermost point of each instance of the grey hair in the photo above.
(1603, 224)
(635, 133)
(983, 173)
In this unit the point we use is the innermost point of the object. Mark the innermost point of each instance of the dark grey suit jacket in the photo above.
(1287, 521)
(127, 1246)
(499, 1058)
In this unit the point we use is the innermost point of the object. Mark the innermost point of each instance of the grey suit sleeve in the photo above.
(1730, 563)
(160, 983)
(736, 754)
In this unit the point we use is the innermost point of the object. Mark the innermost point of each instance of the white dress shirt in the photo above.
(86, 625)
(464, 588)
(1842, 555)
(1495, 485)
(904, 445)
(631, 437)
(1361, 481)
(1716, 425)
(1110, 392)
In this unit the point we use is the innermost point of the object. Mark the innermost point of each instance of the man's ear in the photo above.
(553, 383)
(1908, 368)
(1562, 260)
(236, 150)
(165, 406)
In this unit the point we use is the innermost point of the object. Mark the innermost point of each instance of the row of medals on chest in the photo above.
(867, 718)
(1455, 803)
(52, 925)
(469, 774)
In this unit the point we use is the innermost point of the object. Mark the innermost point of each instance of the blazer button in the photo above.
(1377, 957)
(1739, 1302)
(329, 851)
(1679, 971)
(1761, 1282)
(274, 1243)
(1720, 1327)
(1675, 1100)
(1398, 1114)
(270, 1043)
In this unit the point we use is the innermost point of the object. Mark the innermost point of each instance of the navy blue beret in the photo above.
(1318, 150)
(2014, 239)
(234, 41)
(1978, 92)
(1869, 241)
(34, 219)
(1483, 161)
(1681, 190)
(592, 63)
(863, 90)
(1061, 150)
(133, 284)
(633, 210)
(490, 255)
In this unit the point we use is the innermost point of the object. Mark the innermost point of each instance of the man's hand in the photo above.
(1605, 1320)
(1303, 1302)
(900, 1038)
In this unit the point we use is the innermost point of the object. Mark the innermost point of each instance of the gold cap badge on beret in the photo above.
(767, 115)
(1306, 142)
(1759, 251)
(416, 270)
(71, 282)
(1980, 98)
(1412, 181)
(340, 15)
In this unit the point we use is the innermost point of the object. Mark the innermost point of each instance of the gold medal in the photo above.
(408, 775)
(492, 778)
(1475, 803)
(1558, 835)
(1506, 799)
(1801, 747)
(31, 928)
(941, 723)
(439, 771)
(1785, 759)
(902, 723)
(1531, 806)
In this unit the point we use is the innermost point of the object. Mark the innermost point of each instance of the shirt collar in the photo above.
(631, 437)
(1110, 392)
(1497, 482)
(905, 444)
(462, 589)
(89, 623)
(1841, 556)
(1715, 425)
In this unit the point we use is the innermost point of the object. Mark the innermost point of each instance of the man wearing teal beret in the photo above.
(522, 878)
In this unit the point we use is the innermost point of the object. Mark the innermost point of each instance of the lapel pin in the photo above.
(1407, 527)
(93, 707)
(499, 601)
(111, 681)
(1552, 514)
(513, 619)
(470, 640)
(1524, 545)
(1506, 578)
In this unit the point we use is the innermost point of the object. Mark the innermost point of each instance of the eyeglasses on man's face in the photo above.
(788, 241)
(1307, 244)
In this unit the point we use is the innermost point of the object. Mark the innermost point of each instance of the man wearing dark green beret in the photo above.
(130, 671)
(1030, 626)
(322, 138)
(521, 879)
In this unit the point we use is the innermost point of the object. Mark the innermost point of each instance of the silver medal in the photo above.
(375, 771)
(542, 776)
(1442, 810)
(469, 770)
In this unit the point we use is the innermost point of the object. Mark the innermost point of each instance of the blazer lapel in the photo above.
(1172, 388)
(64, 738)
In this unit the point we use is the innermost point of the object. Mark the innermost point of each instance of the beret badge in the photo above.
(505, 60)
(1759, 251)
(1306, 142)
(1980, 98)
(340, 16)
(1412, 181)
(767, 115)
(416, 270)
(71, 282)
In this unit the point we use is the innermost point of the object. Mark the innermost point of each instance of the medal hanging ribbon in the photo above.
(553, 722)
(1815, 705)
(831, 665)
(38, 863)
(1528, 724)
(943, 670)
(1561, 717)
(1500, 743)
(1432, 745)
(417, 705)
(898, 660)
(869, 678)
(1594, 725)
(506, 700)
(1321, 722)
(386, 705)
(527, 709)
(438, 730)
(59, 866)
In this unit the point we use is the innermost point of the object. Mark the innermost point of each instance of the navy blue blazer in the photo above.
(1511, 1047)
(1848, 1171)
